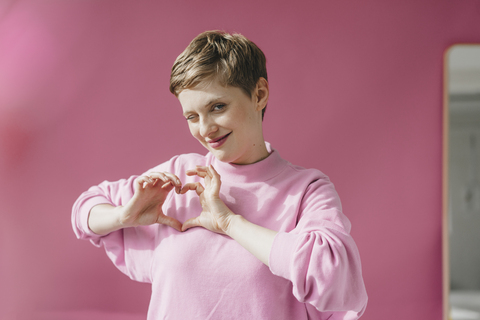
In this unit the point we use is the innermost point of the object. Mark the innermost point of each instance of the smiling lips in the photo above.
(216, 143)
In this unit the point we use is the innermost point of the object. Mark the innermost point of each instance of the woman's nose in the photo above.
(207, 127)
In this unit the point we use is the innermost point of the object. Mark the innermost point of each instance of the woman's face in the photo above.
(227, 121)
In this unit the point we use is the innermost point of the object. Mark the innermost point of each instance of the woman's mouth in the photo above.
(218, 142)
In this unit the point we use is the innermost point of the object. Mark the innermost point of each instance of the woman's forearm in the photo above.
(104, 218)
(256, 239)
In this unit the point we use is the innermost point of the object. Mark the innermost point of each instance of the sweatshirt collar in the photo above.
(255, 172)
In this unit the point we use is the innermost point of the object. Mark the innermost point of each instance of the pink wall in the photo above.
(356, 91)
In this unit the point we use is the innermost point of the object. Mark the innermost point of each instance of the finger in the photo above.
(215, 181)
(195, 172)
(156, 176)
(167, 185)
(197, 186)
(191, 223)
(175, 180)
(167, 178)
(191, 172)
(171, 222)
(143, 181)
(140, 180)
(214, 173)
(160, 176)
(173, 177)
(203, 170)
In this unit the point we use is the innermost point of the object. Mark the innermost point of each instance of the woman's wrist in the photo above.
(233, 221)
(105, 218)
(119, 220)
(256, 239)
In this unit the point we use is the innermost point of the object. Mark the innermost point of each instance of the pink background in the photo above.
(356, 91)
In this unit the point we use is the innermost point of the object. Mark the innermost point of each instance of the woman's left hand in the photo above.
(215, 216)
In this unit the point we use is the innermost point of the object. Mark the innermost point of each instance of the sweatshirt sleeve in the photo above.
(130, 249)
(320, 258)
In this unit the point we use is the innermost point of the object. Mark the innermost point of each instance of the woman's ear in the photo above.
(261, 93)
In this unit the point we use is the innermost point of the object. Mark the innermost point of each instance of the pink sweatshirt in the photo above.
(315, 270)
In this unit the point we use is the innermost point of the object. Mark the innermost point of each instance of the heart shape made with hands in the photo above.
(215, 215)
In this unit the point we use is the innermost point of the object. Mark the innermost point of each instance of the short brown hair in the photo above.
(231, 58)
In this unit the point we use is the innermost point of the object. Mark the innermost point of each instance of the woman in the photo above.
(239, 233)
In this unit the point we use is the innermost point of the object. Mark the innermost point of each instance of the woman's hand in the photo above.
(145, 207)
(215, 216)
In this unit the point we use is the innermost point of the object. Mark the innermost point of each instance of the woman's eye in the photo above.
(218, 107)
(190, 117)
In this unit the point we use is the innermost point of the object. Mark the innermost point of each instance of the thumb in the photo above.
(171, 222)
(191, 223)
(197, 186)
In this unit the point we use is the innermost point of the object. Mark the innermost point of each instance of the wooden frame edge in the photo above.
(445, 226)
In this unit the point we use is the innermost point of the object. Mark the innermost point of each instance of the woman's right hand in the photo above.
(145, 207)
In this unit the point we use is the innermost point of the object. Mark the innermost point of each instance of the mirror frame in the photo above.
(445, 171)
(445, 236)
